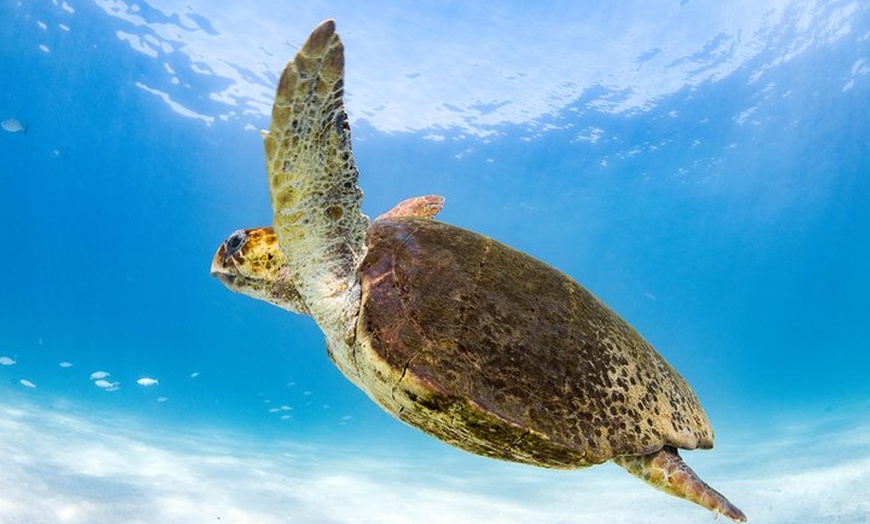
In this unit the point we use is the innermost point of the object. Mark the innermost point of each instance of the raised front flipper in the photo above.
(313, 179)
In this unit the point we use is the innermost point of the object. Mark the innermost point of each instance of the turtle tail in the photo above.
(666, 471)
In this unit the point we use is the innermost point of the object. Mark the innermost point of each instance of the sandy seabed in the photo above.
(60, 467)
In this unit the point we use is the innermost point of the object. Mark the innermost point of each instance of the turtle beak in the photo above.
(223, 267)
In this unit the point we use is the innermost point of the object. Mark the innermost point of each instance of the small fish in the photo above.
(6, 361)
(13, 125)
(194, 374)
(65, 364)
(145, 381)
(108, 386)
(26, 383)
(97, 375)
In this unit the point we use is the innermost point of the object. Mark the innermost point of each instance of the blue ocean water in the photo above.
(702, 168)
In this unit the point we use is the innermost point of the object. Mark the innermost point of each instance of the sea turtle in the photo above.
(452, 332)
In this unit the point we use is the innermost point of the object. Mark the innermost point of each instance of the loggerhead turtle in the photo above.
(452, 332)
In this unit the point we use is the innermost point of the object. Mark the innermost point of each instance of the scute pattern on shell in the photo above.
(313, 179)
(500, 354)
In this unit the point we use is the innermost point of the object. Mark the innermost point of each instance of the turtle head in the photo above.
(251, 262)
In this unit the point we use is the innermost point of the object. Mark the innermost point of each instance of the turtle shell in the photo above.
(503, 355)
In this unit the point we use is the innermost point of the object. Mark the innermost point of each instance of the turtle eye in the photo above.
(235, 242)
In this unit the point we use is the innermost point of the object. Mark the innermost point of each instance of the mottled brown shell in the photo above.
(498, 353)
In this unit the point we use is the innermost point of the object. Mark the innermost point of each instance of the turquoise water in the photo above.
(704, 169)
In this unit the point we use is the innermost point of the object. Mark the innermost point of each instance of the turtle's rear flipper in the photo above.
(665, 470)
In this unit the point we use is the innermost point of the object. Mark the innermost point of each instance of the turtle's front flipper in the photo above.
(313, 178)
(422, 206)
(665, 470)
